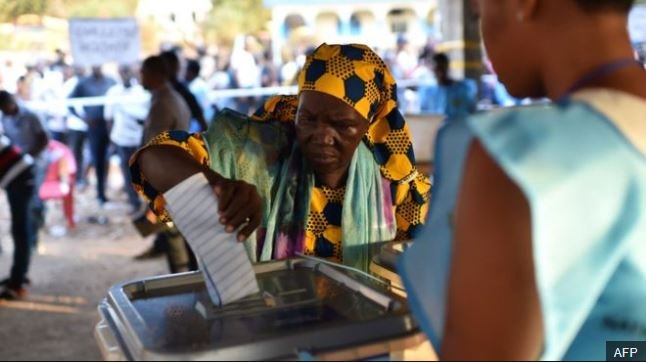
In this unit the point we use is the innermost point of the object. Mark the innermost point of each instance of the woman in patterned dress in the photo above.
(326, 172)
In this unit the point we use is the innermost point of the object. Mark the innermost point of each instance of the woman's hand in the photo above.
(239, 206)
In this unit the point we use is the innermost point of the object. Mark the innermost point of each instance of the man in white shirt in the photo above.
(126, 108)
(76, 126)
(245, 71)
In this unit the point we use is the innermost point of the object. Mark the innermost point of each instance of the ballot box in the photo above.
(306, 309)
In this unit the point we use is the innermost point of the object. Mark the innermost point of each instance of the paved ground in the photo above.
(70, 275)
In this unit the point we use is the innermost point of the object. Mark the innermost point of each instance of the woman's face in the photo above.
(511, 46)
(329, 131)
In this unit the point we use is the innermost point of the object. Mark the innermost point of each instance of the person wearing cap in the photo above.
(326, 172)
(535, 246)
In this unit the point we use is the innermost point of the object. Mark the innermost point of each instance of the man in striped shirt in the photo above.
(17, 178)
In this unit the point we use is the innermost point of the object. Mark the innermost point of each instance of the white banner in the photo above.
(99, 41)
(637, 24)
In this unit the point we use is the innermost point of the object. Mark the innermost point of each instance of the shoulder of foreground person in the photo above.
(548, 135)
(581, 182)
(545, 170)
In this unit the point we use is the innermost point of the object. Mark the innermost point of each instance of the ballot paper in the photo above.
(228, 272)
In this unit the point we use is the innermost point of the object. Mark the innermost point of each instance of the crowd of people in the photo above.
(138, 104)
(176, 89)
(167, 91)
(247, 65)
(536, 212)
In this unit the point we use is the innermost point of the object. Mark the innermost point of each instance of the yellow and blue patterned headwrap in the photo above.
(356, 75)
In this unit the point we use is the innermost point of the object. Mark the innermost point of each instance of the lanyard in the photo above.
(598, 73)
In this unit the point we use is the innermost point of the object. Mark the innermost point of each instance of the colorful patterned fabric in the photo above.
(389, 197)
(323, 231)
(193, 144)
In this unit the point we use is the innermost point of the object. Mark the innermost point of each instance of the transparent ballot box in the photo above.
(306, 310)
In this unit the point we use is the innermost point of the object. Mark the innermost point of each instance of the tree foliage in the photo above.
(10, 10)
(100, 8)
(229, 18)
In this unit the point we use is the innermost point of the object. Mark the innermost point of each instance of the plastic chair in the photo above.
(60, 179)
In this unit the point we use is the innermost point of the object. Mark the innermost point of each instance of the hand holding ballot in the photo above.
(239, 202)
(239, 206)
(227, 269)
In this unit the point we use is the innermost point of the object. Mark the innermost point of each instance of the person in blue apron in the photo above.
(535, 244)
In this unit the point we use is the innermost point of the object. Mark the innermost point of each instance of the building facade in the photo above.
(378, 23)
(172, 22)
